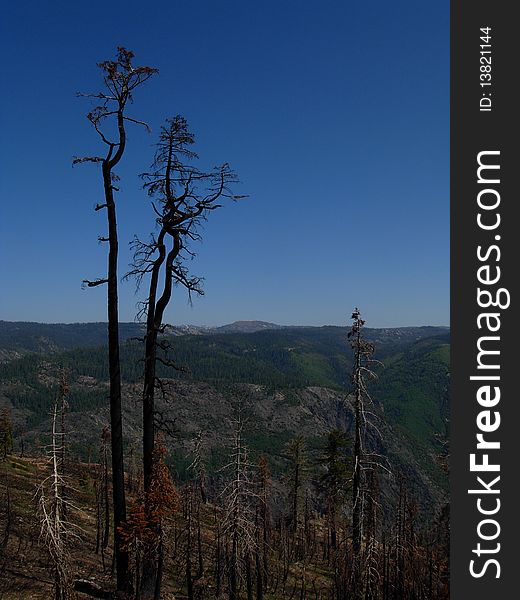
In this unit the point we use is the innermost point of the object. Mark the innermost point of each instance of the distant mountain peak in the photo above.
(247, 327)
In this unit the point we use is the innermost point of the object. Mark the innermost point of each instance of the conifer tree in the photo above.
(333, 482)
(297, 476)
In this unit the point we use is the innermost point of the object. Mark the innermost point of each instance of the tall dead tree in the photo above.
(363, 352)
(57, 530)
(109, 119)
(238, 523)
(182, 197)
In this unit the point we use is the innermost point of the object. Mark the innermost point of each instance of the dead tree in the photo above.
(197, 466)
(57, 530)
(372, 558)
(363, 461)
(182, 197)
(121, 79)
(238, 524)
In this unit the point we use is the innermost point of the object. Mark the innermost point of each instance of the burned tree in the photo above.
(364, 462)
(121, 79)
(141, 539)
(238, 524)
(57, 529)
(362, 353)
(182, 197)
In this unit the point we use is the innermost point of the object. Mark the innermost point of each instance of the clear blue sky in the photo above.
(334, 114)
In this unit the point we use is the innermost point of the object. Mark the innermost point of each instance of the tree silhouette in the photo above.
(182, 197)
(121, 79)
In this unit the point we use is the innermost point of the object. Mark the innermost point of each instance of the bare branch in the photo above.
(95, 283)
(83, 159)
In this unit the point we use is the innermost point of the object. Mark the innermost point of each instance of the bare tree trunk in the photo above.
(172, 184)
(154, 322)
(106, 532)
(356, 486)
(120, 78)
(55, 529)
(116, 425)
(149, 366)
(363, 352)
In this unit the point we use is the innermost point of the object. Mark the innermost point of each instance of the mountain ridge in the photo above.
(19, 337)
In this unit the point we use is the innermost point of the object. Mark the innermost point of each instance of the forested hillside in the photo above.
(287, 384)
(409, 394)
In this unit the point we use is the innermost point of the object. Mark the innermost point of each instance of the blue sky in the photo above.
(334, 114)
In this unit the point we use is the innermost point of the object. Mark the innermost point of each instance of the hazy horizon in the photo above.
(346, 324)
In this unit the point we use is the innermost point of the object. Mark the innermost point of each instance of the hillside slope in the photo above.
(291, 380)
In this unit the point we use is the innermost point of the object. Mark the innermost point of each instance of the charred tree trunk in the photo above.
(150, 364)
(153, 326)
(154, 321)
(181, 207)
(116, 425)
(120, 78)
